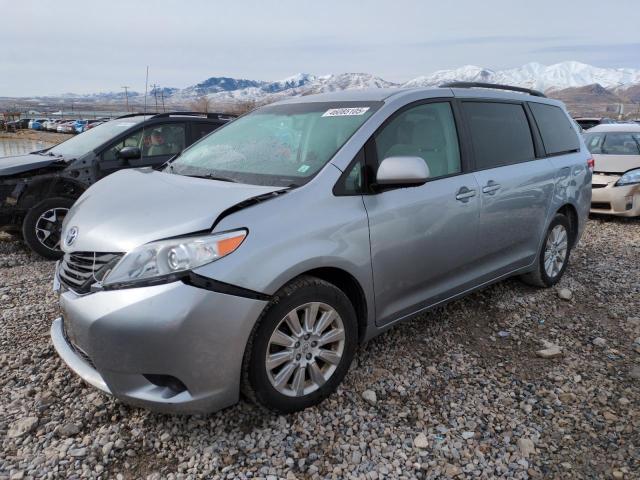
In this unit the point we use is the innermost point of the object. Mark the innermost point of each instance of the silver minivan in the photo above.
(262, 256)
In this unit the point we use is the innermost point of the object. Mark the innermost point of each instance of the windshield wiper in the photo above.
(209, 176)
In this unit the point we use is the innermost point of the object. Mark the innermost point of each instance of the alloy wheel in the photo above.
(49, 227)
(305, 349)
(555, 253)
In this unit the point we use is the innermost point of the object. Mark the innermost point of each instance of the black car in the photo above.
(37, 190)
(589, 122)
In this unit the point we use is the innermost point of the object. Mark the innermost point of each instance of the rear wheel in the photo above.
(554, 254)
(302, 346)
(42, 226)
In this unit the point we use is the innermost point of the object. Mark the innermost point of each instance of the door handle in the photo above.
(491, 188)
(464, 194)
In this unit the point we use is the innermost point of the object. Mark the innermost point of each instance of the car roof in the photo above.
(353, 95)
(615, 127)
(384, 94)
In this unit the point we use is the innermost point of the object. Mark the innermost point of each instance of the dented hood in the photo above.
(25, 163)
(133, 207)
(616, 163)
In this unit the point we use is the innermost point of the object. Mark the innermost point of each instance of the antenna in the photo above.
(126, 94)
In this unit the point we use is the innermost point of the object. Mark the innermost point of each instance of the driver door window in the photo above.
(427, 131)
(154, 142)
(133, 140)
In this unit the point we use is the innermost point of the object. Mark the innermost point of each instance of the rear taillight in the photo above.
(591, 163)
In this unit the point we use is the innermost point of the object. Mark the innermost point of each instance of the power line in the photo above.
(126, 94)
(155, 93)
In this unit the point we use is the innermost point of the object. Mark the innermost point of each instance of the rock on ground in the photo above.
(437, 378)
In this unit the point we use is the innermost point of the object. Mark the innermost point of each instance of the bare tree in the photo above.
(201, 104)
(243, 106)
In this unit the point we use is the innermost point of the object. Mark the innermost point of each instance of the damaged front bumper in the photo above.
(170, 348)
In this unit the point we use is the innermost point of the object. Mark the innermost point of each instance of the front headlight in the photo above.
(629, 178)
(165, 260)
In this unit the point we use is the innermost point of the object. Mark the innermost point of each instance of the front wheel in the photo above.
(42, 226)
(554, 254)
(302, 346)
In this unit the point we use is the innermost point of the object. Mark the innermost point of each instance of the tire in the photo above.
(541, 276)
(320, 377)
(46, 216)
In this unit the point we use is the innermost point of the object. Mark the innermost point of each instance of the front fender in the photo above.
(293, 234)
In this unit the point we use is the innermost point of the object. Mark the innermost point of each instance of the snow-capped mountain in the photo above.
(532, 75)
(300, 84)
(468, 73)
(535, 75)
(623, 82)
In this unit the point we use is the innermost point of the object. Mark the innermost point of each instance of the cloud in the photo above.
(493, 39)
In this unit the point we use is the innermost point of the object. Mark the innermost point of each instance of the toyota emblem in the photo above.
(72, 234)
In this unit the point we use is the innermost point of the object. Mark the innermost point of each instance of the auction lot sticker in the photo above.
(345, 112)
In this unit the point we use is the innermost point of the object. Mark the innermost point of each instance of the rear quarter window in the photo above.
(558, 134)
(500, 133)
(199, 130)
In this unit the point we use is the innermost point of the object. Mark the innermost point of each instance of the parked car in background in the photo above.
(78, 125)
(37, 190)
(93, 123)
(52, 125)
(616, 179)
(37, 124)
(66, 127)
(23, 123)
(12, 125)
(274, 246)
(589, 122)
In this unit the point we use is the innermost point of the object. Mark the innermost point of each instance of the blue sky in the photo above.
(86, 46)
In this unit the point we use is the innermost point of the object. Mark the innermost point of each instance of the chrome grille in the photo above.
(79, 270)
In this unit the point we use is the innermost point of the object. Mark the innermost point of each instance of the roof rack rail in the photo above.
(497, 86)
(137, 114)
(215, 116)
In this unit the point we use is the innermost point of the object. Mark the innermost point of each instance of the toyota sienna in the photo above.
(262, 256)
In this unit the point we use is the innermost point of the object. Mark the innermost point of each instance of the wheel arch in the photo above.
(570, 211)
(41, 189)
(349, 286)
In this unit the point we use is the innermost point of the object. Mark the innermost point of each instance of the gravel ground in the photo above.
(460, 392)
(39, 135)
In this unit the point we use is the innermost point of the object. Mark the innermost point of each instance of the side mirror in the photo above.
(129, 153)
(402, 172)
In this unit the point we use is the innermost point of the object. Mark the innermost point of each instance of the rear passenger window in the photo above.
(500, 133)
(199, 130)
(558, 134)
(427, 131)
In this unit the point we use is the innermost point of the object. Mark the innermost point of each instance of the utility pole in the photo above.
(162, 97)
(155, 93)
(126, 95)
